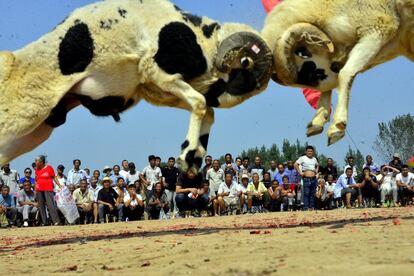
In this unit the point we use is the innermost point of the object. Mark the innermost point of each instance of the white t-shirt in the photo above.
(232, 190)
(123, 173)
(152, 175)
(307, 164)
(133, 202)
(409, 179)
(388, 182)
(131, 178)
(354, 170)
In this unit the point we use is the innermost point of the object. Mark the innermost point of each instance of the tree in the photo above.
(396, 136)
(358, 159)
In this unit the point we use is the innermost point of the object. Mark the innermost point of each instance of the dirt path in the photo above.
(340, 242)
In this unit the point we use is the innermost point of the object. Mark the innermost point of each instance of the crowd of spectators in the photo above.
(122, 193)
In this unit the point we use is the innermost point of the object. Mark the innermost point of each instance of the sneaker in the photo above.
(25, 224)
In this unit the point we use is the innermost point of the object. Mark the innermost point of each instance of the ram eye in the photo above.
(303, 52)
(246, 62)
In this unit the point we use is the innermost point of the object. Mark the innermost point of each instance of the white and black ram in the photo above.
(109, 55)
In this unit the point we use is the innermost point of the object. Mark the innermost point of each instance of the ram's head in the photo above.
(303, 58)
(247, 60)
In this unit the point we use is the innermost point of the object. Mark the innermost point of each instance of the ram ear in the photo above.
(6, 65)
(298, 34)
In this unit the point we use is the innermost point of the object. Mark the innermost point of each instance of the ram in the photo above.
(109, 55)
(324, 44)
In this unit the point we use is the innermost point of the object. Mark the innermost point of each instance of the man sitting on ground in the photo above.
(26, 202)
(242, 188)
(388, 187)
(369, 188)
(133, 204)
(405, 182)
(287, 194)
(256, 192)
(228, 194)
(348, 188)
(158, 202)
(324, 194)
(106, 200)
(84, 201)
(274, 196)
(7, 205)
(190, 193)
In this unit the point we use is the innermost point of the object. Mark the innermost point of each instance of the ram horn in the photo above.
(245, 44)
(285, 66)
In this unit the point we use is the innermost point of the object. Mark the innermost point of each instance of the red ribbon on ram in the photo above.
(311, 96)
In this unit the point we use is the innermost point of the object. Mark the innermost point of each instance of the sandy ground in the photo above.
(361, 242)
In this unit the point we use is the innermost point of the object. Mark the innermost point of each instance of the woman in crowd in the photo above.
(45, 181)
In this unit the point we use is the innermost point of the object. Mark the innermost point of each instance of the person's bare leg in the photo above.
(348, 200)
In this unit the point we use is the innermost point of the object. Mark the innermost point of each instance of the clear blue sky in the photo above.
(277, 113)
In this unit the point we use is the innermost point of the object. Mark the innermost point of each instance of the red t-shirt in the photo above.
(44, 179)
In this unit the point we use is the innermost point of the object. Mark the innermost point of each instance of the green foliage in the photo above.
(396, 136)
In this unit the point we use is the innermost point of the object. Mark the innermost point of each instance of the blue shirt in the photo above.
(279, 177)
(8, 201)
(74, 177)
(373, 167)
(342, 183)
(32, 180)
(293, 175)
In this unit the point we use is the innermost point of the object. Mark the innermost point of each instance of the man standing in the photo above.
(330, 169)
(133, 175)
(76, 174)
(273, 169)
(215, 176)
(308, 167)
(151, 174)
(351, 165)
(280, 173)
(245, 168)
(208, 162)
(26, 202)
(10, 178)
(116, 174)
(125, 169)
(61, 178)
(84, 201)
(27, 177)
(257, 168)
(171, 173)
(374, 168)
(7, 205)
(228, 159)
(292, 173)
(396, 161)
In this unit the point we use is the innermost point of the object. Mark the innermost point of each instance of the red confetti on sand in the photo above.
(396, 221)
(255, 232)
